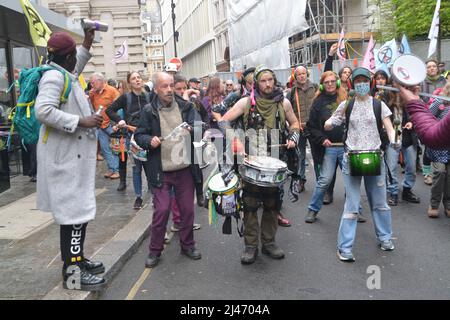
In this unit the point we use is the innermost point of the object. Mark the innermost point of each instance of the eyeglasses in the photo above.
(229, 85)
(330, 82)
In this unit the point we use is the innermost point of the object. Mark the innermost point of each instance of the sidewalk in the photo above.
(30, 261)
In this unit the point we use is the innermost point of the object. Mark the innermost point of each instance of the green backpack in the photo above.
(23, 115)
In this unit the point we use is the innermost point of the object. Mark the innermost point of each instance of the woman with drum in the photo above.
(407, 139)
(131, 103)
(326, 146)
(362, 160)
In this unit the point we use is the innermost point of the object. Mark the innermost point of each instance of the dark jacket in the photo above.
(132, 112)
(432, 132)
(149, 127)
(321, 110)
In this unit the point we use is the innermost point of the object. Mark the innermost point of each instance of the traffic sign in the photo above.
(177, 62)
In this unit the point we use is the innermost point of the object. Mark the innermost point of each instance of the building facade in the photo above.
(196, 37)
(124, 19)
(220, 14)
(152, 23)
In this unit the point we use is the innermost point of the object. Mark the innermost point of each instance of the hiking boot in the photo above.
(433, 212)
(137, 203)
(272, 250)
(393, 200)
(249, 255)
(345, 256)
(123, 180)
(409, 196)
(76, 277)
(428, 180)
(175, 227)
(166, 238)
(387, 245)
(151, 261)
(192, 253)
(283, 221)
(115, 175)
(327, 198)
(311, 216)
(93, 267)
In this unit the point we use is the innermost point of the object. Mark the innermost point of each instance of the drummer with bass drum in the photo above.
(363, 159)
(265, 114)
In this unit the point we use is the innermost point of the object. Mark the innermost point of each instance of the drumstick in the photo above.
(423, 94)
(337, 144)
(279, 145)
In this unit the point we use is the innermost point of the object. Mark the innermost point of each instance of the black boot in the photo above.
(76, 277)
(409, 196)
(123, 180)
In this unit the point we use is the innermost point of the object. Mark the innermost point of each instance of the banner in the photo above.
(386, 55)
(434, 30)
(121, 54)
(404, 46)
(369, 58)
(39, 31)
(341, 47)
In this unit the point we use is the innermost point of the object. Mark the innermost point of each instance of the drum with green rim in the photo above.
(365, 163)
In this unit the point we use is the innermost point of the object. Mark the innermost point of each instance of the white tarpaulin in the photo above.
(260, 29)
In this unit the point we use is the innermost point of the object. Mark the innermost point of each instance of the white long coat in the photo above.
(66, 162)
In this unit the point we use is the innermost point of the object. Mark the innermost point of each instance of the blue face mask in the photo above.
(362, 88)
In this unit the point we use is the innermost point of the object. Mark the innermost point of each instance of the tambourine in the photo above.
(409, 70)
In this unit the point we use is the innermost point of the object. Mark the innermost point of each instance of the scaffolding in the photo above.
(326, 19)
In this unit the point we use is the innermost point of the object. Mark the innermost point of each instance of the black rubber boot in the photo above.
(123, 180)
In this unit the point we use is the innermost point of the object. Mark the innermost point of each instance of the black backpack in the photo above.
(135, 115)
(377, 111)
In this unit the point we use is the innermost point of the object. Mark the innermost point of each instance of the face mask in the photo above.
(362, 88)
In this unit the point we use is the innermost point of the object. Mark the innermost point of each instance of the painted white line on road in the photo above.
(53, 260)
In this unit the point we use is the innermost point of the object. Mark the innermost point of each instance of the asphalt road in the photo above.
(417, 269)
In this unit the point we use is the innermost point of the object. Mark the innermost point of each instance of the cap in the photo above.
(61, 43)
(194, 80)
(360, 72)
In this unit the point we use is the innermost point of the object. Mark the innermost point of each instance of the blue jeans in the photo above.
(111, 160)
(302, 157)
(332, 156)
(376, 194)
(409, 156)
(137, 177)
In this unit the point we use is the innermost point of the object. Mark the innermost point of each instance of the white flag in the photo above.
(369, 58)
(341, 53)
(386, 55)
(434, 30)
(121, 54)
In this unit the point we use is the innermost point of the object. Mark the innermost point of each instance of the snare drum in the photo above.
(263, 171)
(226, 199)
(365, 163)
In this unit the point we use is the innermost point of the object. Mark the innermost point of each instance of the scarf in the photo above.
(434, 78)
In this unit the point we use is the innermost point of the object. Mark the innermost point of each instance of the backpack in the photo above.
(377, 111)
(133, 116)
(23, 116)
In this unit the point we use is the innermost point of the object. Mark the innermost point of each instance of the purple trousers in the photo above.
(183, 183)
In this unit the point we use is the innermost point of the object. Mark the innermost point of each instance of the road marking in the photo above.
(48, 266)
(138, 284)
(135, 289)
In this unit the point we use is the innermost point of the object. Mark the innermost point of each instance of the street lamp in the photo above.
(175, 33)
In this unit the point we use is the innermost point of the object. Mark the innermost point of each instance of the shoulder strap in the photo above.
(348, 111)
(377, 112)
(128, 96)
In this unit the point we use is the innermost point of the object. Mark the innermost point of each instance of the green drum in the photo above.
(365, 163)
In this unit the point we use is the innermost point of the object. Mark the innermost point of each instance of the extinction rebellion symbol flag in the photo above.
(39, 31)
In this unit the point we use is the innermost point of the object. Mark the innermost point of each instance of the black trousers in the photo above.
(72, 243)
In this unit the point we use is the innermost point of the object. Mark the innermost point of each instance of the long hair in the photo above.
(341, 93)
(214, 90)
